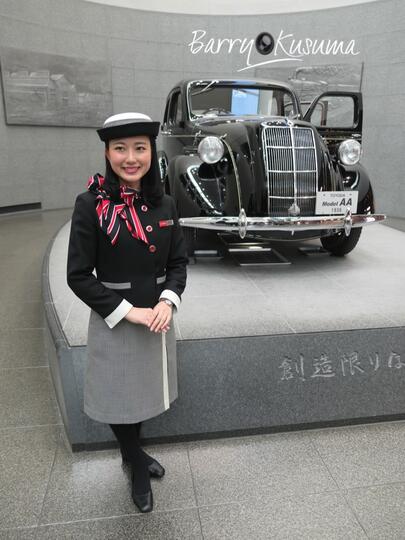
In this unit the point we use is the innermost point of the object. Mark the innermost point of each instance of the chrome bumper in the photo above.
(242, 224)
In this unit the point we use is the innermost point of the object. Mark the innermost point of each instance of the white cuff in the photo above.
(119, 313)
(172, 296)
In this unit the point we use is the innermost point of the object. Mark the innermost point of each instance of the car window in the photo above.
(334, 111)
(179, 112)
(175, 114)
(166, 115)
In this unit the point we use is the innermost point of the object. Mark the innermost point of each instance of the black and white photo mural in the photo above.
(54, 90)
(310, 81)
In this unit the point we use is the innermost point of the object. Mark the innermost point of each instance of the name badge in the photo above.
(165, 223)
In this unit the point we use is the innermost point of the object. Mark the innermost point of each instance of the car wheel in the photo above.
(339, 244)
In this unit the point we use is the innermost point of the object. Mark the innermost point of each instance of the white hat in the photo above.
(128, 124)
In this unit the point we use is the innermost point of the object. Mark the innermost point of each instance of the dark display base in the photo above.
(242, 384)
(237, 386)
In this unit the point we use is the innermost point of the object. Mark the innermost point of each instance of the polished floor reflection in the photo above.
(341, 483)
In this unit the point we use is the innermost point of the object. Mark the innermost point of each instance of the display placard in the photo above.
(336, 202)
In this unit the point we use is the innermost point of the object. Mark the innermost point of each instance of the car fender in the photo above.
(181, 183)
(356, 178)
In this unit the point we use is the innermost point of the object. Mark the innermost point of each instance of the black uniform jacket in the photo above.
(138, 268)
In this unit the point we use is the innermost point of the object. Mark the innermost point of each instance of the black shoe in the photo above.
(155, 468)
(144, 502)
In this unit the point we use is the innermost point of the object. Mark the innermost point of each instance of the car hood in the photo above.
(240, 125)
(243, 134)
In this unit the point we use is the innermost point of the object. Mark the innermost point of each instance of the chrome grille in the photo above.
(291, 168)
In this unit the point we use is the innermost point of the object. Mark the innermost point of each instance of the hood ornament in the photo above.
(294, 210)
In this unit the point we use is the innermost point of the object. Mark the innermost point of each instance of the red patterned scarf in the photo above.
(108, 211)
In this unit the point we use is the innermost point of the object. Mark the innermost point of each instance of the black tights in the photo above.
(128, 438)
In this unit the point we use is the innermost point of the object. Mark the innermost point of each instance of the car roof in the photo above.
(230, 81)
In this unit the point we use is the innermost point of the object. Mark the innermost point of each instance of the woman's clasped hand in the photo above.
(156, 319)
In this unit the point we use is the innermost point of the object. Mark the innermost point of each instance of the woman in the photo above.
(126, 228)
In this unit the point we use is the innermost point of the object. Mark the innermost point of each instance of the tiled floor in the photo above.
(344, 483)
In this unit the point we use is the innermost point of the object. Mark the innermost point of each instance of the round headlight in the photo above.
(350, 152)
(211, 149)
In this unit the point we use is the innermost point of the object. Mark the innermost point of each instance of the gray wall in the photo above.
(148, 53)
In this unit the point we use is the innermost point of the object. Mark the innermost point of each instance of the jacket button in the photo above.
(144, 208)
(152, 248)
(149, 228)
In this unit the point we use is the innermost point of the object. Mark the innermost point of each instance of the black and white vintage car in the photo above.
(239, 157)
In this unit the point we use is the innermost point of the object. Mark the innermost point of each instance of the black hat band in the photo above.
(129, 130)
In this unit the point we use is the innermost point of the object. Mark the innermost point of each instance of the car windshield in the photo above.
(210, 98)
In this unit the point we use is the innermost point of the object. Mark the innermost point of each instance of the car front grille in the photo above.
(291, 169)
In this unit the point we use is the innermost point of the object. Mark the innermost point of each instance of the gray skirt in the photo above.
(131, 372)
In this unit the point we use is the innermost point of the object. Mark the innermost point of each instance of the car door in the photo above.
(337, 116)
(173, 125)
(176, 138)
